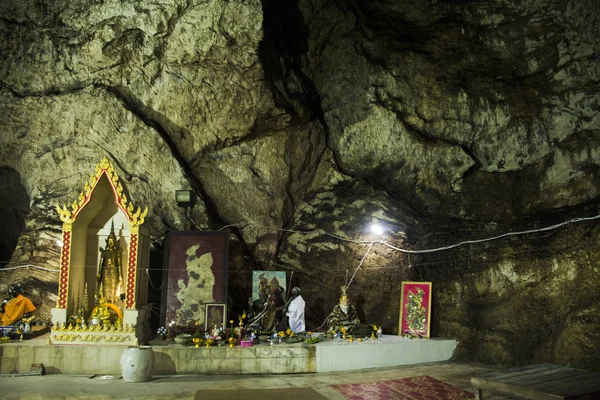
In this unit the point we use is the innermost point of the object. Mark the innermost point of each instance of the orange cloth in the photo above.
(15, 309)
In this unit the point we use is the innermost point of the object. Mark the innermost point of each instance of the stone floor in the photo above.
(54, 387)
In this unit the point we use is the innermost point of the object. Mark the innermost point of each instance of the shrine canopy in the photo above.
(104, 202)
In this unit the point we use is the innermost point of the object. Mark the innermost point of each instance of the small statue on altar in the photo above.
(215, 332)
(343, 315)
(100, 314)
(295, 311)
(109, 274)
(17, 307)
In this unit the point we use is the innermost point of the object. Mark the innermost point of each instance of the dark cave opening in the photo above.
(14, 207)
(285, 42)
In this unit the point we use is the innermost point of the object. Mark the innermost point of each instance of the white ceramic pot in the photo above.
(137, 364)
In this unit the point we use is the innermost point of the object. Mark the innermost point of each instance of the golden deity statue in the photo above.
(100, 313)
(109, 269)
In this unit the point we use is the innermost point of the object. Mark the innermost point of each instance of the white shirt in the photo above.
(296, 313)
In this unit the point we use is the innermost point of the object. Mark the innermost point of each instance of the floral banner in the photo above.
(415, 308)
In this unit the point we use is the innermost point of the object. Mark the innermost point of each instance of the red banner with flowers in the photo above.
(415, 308)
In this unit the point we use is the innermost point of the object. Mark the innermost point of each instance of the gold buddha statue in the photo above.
(100, 314)
(109, 269)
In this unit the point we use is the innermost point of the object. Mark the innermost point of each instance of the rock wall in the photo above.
(525, 300)
(299, 123)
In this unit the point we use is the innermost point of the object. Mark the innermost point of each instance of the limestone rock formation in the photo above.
(299, 123)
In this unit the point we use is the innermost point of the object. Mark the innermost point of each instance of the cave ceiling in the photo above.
(311, 116)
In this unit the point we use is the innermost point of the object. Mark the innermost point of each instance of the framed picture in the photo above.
(215, 314)
(262, 281)
(194, 275)
(415, 308)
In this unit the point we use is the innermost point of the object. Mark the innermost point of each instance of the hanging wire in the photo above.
(29, 266)
(361, 262)
(432, 250)
(382, 242)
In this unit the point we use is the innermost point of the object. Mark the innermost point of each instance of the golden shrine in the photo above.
(103, 204)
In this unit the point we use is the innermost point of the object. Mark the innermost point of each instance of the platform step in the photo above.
(36, 369)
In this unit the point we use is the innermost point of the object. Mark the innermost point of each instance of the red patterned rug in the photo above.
(415, 388)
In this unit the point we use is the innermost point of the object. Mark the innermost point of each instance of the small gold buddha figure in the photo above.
(109, 269)
(100, 313)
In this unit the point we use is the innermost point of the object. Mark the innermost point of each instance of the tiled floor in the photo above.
(54, 387)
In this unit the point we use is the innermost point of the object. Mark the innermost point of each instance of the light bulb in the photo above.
(377, 229)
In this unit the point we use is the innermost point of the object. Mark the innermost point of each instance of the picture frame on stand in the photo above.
(215, 314)
(415, 309)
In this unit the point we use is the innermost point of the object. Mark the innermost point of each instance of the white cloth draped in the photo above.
(296, 314)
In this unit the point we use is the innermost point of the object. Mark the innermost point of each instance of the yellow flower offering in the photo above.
(374, 327)
(281, 334)
(288, 331)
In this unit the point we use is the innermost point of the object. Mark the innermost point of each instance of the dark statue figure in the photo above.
(267, 312)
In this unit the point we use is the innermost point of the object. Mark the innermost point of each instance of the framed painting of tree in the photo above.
(194, 274)
(415, 309)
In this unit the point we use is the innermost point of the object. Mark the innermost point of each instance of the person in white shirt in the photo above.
(295, 312)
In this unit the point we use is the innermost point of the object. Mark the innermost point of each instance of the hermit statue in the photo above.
(16, 308)
(109, 269)
(343, 315)
(295, 311)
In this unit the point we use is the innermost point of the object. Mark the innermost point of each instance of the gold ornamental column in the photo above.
(132, 267)
(65, 262)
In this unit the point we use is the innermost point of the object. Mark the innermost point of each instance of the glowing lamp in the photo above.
(377, 229)
(184, 198)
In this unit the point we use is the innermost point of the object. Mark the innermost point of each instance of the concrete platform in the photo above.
(389, 352)
(184, 387)
(172, 359)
